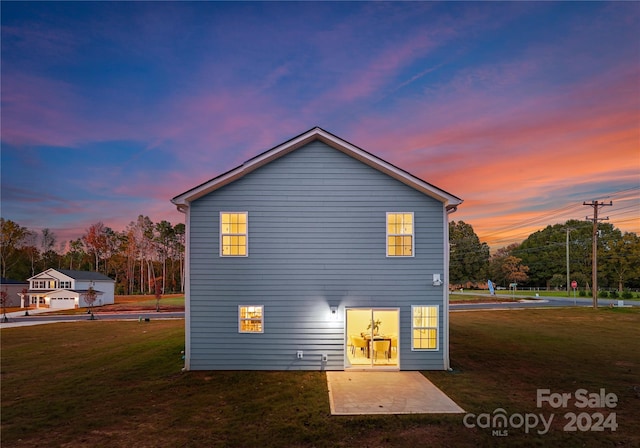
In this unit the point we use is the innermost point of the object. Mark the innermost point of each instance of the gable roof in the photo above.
(182, 200)
(76, 275)
(84, 275)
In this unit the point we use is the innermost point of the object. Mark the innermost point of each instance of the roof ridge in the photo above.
(317, 133)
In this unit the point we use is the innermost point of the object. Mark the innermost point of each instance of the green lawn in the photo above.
(527, 293)
(168, 302)
(141, 302)
(484, 298)
(119, 384)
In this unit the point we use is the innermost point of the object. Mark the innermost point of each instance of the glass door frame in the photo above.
(372, 365)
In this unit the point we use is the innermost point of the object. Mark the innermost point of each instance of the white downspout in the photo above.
(184, 208)
(445, 289)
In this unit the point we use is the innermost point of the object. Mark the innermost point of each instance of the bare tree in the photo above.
(4, 296)
(90, 297)
(47, 240)
(179, 246)
(131, 252)
(47, 246)
(165, 234)
(158, 292)
(76, 251)
(30, 244)
(143, 233)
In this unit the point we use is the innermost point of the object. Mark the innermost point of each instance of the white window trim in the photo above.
(437, 328)
(40, 284)
(240, 330)
(246, 235)
(413, 235)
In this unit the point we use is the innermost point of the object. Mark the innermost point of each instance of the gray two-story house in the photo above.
(316, 255)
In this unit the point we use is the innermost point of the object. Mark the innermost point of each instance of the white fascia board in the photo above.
(337, 143)
(45, 275)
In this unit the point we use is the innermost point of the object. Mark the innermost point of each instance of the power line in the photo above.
(620, 195)
(531, 221)
(613, 195)
(629, 220)
(594, 280)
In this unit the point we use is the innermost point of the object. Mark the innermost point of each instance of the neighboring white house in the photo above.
(64, 289)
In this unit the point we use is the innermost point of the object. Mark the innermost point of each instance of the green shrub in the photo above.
(603, 294)
(613, 294)
(627, 295)
(582, 293)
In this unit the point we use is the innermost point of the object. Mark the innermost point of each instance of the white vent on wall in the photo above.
(437, 281)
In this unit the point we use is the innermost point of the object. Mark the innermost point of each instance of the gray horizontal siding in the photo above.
(317, 235)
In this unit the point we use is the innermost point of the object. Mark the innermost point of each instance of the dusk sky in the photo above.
(524, 110)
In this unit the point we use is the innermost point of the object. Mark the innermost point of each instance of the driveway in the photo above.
(362, 393)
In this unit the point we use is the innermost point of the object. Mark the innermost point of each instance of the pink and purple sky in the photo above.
(525, 110)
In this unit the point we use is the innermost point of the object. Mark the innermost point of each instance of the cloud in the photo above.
(502, 160)
(466, 97)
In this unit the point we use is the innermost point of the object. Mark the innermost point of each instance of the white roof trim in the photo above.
(48, 274)
(449, 200)
(54, 274)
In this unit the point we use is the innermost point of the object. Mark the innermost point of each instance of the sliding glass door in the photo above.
(372, 338)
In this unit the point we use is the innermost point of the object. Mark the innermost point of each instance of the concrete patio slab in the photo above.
(362, 393)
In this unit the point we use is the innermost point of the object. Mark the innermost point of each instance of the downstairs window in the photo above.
(250, 318)
(424, 327)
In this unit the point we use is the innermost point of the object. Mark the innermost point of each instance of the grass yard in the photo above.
(479, 298)
(168, 302)
(147, 302)
(119, 384)
(525, 293)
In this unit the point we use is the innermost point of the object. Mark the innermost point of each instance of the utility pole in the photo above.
(568, 277)
(594, 260)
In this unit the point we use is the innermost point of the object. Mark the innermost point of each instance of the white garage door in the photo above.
(62, 303)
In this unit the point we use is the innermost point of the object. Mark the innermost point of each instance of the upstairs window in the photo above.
(250, 319)
(400, 234)
(233, 234)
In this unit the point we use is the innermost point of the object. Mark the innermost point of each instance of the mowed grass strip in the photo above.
(174, 302)
(119, 384)
(133, 303)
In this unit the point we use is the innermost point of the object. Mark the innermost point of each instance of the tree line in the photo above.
(541, 259)
(148, 256)
(142, 258)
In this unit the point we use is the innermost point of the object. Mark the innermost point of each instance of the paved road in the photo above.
(38, 317)
(542, 302)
